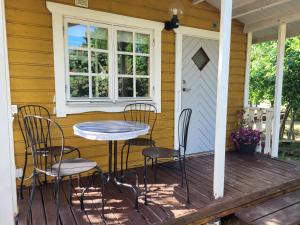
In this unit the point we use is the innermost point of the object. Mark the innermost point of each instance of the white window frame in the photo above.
(59, 13)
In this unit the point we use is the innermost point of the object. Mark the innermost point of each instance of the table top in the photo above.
(110, 130)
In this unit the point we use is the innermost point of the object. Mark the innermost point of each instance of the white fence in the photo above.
(261, 120)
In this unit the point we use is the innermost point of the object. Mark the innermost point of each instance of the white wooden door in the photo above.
(199, 92)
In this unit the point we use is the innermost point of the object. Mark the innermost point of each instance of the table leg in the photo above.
(115, 158)
(120, 183)
(109, 161)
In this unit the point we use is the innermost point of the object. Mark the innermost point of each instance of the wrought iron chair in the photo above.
(156, 153)
(44, 135)
(144, 113)
(36, 110)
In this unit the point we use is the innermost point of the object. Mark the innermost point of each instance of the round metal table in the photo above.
(112, 131)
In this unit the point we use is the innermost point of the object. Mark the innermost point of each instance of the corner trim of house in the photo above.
(247, 71)
(180, 32)
(8, 208)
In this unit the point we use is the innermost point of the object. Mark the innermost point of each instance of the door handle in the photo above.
(186, 89)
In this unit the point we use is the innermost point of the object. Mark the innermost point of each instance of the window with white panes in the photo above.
(107, 62)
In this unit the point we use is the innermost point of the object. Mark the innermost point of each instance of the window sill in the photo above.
(82, 107)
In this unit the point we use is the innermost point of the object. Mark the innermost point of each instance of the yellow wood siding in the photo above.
(32, 74)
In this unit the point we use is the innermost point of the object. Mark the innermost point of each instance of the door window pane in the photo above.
(77, 35)
(99, 62)
(79, 86)
(78, 61)
(125, 64)
(142, 87)
(125, 40)
(142, 43)
(100, 86)
(125, 87)
(99, 37)
(142, 65)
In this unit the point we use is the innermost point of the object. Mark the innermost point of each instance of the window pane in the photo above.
(99, 37)
(142, 87)
(78, 61)
(77, 35)
(100, 86)
(142, 43)
(79, 86)
(125, 40)
(142, 65)
(99, 62)
(125, 64)
(125, 87)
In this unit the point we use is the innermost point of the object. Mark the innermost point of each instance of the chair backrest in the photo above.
(141, 112)
(35, 110)
(41, 132)
(183, 128)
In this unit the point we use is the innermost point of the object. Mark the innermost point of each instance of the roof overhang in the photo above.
(262, 17)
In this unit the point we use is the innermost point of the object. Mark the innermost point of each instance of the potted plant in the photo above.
(245, 138)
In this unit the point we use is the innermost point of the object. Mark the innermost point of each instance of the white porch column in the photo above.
(222, 93)
(8, 206)
(247, 72)
(278, 88)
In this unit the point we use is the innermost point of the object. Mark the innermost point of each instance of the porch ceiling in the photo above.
(262, 16)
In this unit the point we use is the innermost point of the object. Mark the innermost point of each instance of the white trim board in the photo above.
(8, 208)
(247, 70)
(59, 13)
(180, 32)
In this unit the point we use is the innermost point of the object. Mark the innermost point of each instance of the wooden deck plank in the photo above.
(248, 180)
(287, 216)
(270, 207)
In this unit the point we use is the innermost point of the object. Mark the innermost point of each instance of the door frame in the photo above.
(179, 33)
(7, 160)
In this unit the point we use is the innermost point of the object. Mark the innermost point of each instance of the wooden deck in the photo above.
(248, 180)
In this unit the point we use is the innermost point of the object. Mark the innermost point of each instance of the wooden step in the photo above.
(282, 210)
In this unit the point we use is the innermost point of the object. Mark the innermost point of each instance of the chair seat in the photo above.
(141, 142)
(72, 167)
(157, 152)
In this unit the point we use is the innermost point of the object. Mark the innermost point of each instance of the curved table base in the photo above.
(112, 172)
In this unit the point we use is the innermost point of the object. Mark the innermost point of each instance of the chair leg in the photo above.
(102, 194)
(145, 178)
(29, 213)
(186, 183)
(79, 156)
(57, 199)
(81, 198)
(23, 176)
(43, 200)
(181, 170)
(70, 190)
(103, 179)
(45, 176)
(128, 150)
(155, 170)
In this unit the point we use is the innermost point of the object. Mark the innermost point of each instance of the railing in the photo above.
(261, 120)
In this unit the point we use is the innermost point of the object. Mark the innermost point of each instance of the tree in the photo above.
(262, 77)
(291, 81)
(263, 68)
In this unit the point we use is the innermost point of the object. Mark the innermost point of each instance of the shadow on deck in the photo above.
(248, 180)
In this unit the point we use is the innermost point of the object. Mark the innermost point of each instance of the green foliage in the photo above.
(262, 76)
(291, 79)
(263, 69)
